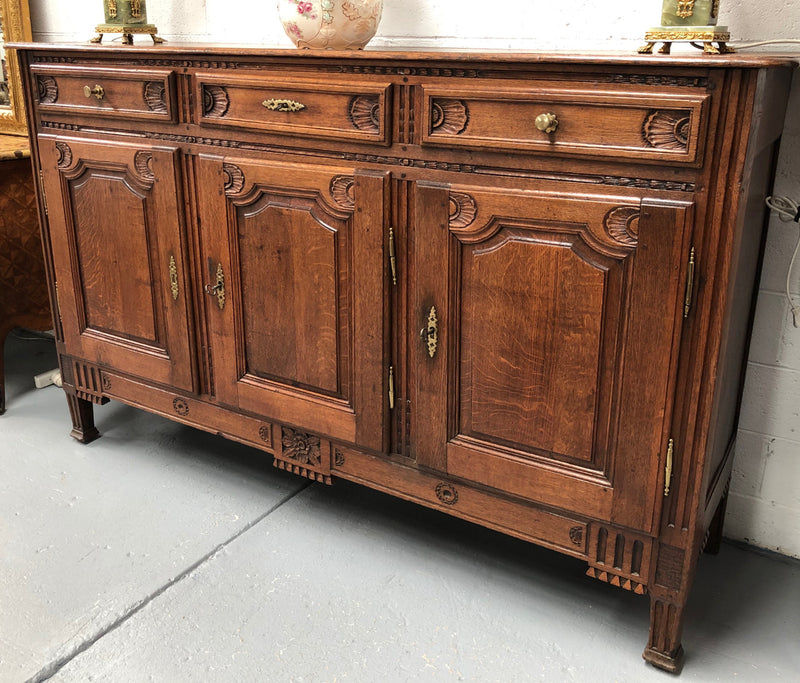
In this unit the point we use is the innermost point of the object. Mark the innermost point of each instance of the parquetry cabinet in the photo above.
(513, 287)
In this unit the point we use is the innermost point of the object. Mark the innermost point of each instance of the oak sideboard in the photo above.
(515, 287)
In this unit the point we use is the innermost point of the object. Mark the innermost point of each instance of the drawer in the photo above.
(141, 94)
(636, 125)
(333, 109)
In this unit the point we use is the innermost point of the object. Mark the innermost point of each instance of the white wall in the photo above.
(764, 507)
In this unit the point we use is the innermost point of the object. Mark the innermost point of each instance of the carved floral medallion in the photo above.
(300, 447)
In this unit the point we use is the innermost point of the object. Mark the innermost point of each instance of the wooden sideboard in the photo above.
(513, 287)
(23, 287)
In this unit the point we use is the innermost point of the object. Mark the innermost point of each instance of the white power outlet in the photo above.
(45, 379)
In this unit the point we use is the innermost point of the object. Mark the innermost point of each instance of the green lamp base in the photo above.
(701, 37)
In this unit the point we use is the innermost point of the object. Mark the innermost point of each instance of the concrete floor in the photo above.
(160, 553)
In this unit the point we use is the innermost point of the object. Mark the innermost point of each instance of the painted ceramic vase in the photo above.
(331, 24)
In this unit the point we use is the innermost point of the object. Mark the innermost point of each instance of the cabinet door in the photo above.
(549, 325)
(117, 236)
(299, 335)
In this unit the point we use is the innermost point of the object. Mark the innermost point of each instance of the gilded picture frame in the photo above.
(16, 24)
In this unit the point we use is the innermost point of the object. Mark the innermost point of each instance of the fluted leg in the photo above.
(82, 414)
(664, 648)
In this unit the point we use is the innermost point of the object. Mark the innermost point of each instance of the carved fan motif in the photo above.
(622, 223)
(302, 447)
(365, 113)
(342, 191)
(667, 129)
(215, 101)
(449, 116)
(63, 155)
(462, 210)
(234, 178)
(155, 96)
(143, 162)
(48, 89)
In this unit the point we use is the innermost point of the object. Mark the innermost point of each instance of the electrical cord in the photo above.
(789, 212)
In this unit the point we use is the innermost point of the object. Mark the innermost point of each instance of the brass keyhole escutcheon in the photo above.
(547, 122)
(430, 333)
(218, 288)
(98, 91)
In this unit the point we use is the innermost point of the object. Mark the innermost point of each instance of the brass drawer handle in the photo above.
(218, 288)
(547, 122)
(430, 333)
(98, 91)
(283, 105)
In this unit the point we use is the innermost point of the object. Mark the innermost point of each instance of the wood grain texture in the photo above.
(422, 291)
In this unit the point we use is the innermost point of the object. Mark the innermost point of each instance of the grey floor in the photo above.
(160, 553)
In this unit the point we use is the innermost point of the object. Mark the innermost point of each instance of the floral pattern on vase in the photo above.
(331, 24)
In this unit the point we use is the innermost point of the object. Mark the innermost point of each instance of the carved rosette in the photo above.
(342, 191)
(364, 112)
(106, 383)
(143, 163)
(234, 179)
(300, 447)
(215, 101)
(576, 535)
(622, 224)
(462, 209)
(338, 457)
(47, 89)
(449, 117)
(447, 493)
(667, 130)
(180, 406)
(155, 96)
(63, 155)
(265, 433)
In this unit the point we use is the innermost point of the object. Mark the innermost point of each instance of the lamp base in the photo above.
(701, 37)
(127, 31)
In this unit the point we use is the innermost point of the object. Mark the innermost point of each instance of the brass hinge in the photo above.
(391, 387)
(668, 466)
(58, 301)
(392, 256)
(42, 190)
(687, 302)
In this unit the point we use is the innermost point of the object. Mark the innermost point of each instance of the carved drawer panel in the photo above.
(105, 91)
(337, 109)
(623, 123)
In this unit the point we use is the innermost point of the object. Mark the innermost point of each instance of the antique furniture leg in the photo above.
(82, 413)
(664, 649)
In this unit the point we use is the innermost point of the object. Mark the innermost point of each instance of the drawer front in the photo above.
(147, 94)
(633, 125)
(335, 109)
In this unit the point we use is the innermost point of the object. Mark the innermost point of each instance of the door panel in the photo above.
(117, 233)
(300, 338)
(556, 317)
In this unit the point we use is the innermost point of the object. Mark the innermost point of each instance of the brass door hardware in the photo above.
(283, 105)
(668, 467)
(430, 334)
(547, 122)
(98, 91)
(391, 387)
(392, 256)
(44, 193)
(218, 288)
(687, 302)
(173, 277)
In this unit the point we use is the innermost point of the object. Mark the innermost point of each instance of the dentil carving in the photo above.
(301, 447)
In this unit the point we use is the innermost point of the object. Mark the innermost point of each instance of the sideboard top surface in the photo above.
(464, 56)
